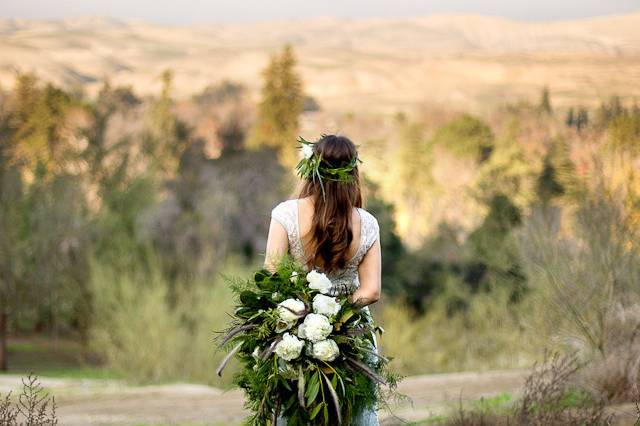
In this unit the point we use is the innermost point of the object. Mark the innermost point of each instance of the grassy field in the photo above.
(44, 357)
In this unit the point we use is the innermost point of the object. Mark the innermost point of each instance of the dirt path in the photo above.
(109, 402)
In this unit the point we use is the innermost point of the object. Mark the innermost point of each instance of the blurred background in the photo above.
(143, 146)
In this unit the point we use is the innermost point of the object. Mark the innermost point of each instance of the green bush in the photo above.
(489, 333)
(466, 137)
(149, 336)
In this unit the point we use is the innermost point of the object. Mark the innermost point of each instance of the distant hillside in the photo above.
(348, 65)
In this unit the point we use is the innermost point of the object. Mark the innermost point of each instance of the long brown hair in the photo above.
(331, 230)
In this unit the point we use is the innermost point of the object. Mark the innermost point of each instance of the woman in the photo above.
(326, 228)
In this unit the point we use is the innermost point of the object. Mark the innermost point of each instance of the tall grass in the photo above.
(586, 275)
(489, 333)
(150, 330)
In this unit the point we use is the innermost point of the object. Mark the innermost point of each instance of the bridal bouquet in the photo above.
(305, 355)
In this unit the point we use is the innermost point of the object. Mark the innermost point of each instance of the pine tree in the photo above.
(570, 118)
(583, 119)
(545, 102)
(280, 108)
(168, 136)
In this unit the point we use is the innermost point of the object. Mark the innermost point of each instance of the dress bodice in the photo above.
(345, 281)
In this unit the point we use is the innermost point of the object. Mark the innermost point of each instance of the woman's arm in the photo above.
(277, 245)
(369, 274)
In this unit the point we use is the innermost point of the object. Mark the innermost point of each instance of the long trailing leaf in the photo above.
(226, 359)
(301, 384)
(366, 369)
(272, 347)
(334, 397)
(374, 353)
(337, 375)
(234, 332)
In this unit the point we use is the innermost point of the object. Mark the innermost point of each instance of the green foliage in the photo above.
(492, 250)
(624, 134)
(57, 257)
(508, 171)
(609, 110)
(391, 245)
(545, 102)
(466, 137)
(490, 332)
(167, 137)
(36, 120)
(582, 280)
(281, 105)
(313, 167)
(147, 336)
(305, 390)
(558, 177)
(219, 93)
(578, 118)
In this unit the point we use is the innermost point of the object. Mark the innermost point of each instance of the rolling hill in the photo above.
(373, 65)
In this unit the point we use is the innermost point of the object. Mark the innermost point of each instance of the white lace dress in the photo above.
(345, 281)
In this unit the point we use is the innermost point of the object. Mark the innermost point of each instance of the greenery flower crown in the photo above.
(311, 166)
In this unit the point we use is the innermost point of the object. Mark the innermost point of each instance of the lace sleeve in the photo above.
(371, 231)
(283, 214)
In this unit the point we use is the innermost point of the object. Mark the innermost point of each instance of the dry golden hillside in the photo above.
(469, 62)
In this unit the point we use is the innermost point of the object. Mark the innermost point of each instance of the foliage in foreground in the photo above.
(551, 396)
(33, 407)
(324, 369)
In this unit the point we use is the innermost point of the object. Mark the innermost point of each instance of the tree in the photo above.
(466, 137)
(168, 137)
(570, 121)
(547, 185)
(36, 120)
(557, 177)
(11, 244)
(492, 251)
(545, 102)
(280, 108)
(583, 119)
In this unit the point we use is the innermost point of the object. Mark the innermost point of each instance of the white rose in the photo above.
(306, 151)
(290, 310)
(294, 277)
(319, 281)
(289, 347)
(325, 350)
(315, 327)
(325, 305)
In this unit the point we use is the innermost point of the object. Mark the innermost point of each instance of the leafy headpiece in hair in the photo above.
(312, 167)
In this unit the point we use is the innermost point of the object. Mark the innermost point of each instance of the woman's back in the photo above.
(295, 216)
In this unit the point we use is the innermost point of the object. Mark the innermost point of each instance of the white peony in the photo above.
(315, 327)
(290, 310)
(325, 305)
(325, 350)
(306, 151)
(289, 347)
(319, 281)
